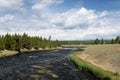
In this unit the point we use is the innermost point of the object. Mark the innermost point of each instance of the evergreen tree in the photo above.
(17, 43)
(49, 42)
(97, 41)
(117, 40)
(102, 41)
(112, 41)
(9, 42)
(25, 41)
(2, 47)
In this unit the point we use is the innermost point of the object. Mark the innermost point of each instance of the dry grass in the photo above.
(103, 56)
(7, 53)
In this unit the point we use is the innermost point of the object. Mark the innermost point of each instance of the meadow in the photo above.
(102, 60)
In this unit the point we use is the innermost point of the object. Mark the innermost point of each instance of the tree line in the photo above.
(102, 41)
(18, 42)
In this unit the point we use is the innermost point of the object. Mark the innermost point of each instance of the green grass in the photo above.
(98, 72)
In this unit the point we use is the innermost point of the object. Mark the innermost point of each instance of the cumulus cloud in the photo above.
(75, 18)
(74, 24)
(10, 4)
(85, 24)
(45, 3)
(6, 18)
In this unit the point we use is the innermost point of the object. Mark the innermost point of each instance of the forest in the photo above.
(18, 42)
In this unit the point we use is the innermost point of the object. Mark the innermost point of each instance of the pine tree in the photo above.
(102, 41)
(2, 47)
(25, 41)
(17, 43)
(112, 41)
(117, 40)
(9, 42)
(97, 41)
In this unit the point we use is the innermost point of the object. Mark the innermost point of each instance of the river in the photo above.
(42, 65)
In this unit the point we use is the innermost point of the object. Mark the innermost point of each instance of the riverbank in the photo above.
(98, 54)
(104, 56)
(6, 53)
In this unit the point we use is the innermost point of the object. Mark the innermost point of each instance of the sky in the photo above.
(61, 19)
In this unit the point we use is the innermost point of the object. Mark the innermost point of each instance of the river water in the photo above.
(42, 65)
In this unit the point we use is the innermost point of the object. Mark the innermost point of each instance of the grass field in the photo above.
(104, 56)
(102, 60)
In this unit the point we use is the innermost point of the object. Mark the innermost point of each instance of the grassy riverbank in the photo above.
(103, 56)
(85, 64)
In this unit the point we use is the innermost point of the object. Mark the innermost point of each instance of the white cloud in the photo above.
(74, 24)
(80, 23)
(6, 18)
(10, 4)
(45, 3)
(77, 18)
(104, 13)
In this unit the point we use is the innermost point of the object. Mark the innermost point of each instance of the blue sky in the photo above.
(62, 19)
(100, 5)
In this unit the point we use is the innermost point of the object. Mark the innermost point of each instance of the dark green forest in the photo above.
(18, 42)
